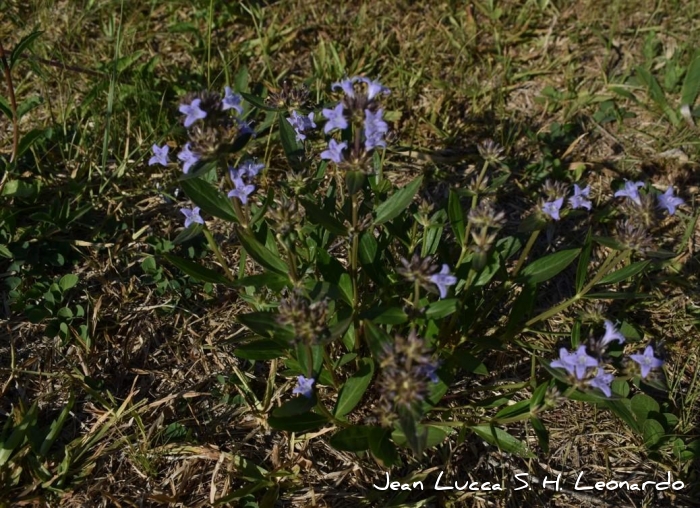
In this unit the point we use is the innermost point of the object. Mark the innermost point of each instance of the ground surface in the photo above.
(154, 418)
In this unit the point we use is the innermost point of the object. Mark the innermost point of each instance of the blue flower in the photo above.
(579, 199)
(304, 386)
(250, 169)
(611, 334)
(334, 151)
(374, 88)
(335, 117)
(647, 361)
(630, 191)
(602, 381)
(443, 280)
(193, 112)
(375, 128)
(301, 123)
(160, 155)
(430, 371)
(241, 190)
(231, 100)
(575, 363)
(192, 216)
(668, 201)
(552, 208)
(347, 86)
(188, 157)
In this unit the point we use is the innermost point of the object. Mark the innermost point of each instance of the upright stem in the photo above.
(217, 253)
(354, 275)
(525, 253)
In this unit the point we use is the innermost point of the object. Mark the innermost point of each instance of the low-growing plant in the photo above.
(374, 295)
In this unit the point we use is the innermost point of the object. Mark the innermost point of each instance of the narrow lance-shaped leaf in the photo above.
(397, 203)
(209, 199)
(354, 388)
(547, 267)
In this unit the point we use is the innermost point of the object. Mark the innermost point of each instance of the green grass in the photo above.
(137, 378)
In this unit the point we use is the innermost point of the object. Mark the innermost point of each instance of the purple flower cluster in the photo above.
(578, 200)
(664, 201)
(579, 364)
(240, 177)
(301, 123)
(359, 108)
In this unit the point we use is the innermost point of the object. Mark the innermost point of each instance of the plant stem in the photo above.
(217, 253)
(525, 253)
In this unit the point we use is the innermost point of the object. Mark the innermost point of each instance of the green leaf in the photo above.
(56, 427)
(354, 439)
(434, 435)
(622, 408)
(23, 45)
(209, 199)
(386, 315)
(642, 405)
(376, 338)
(196, 271)
(383, 448)
(656, 93)
(653, 432)
(288, 137)
(397, 203)
(541, 432)
(258, 102)
(582, 268)
(519, 408)
(625, 273)
(65, 313)
(548, 266)
(29, 104)
(16, 438)
(5, 108)
(456, 216)
(354, 388)
(189, 233)
(68, 281)
(608, 242)
(260, 253)
(260, 349)
(298, 423)
(29, 139)
(325, 218)
(503, 440)
(691, 83)
(354, 180)
(295, 406)
(265, 324)
(442, 308)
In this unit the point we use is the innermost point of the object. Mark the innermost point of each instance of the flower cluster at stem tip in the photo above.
(580, 366)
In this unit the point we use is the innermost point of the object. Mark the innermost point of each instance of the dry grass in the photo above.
(161, 363)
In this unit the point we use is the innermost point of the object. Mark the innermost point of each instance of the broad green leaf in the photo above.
(355, 438)
(642, 405)
(456, 216)
(354, 388)
(68, 281)
(209, 199)
(397, 203)
(383, 448)
(608, 242)
(442, 308)
(519, 408)
(259, 349)
(622, 408)
(653, 432)
(260, 253)
(691, 83)
(333, 271)
(298, 423)
(625, 273)
(295, 406)
(386, 315)
(196, 271)
(187, 234)
(503, 440)
(548, 266)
